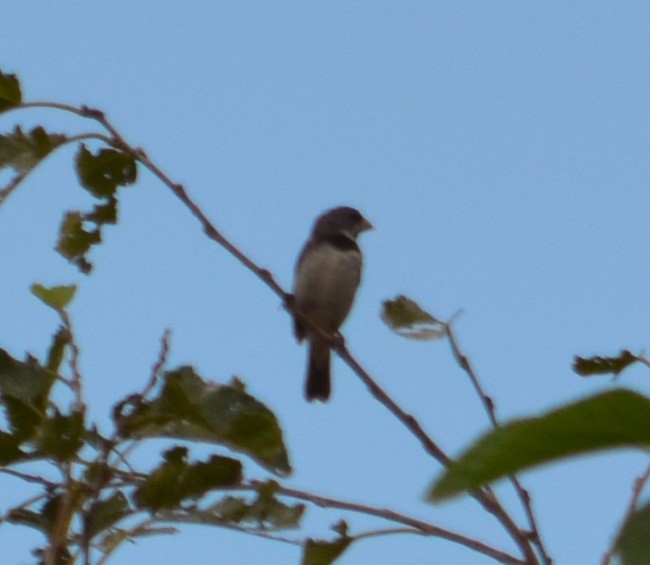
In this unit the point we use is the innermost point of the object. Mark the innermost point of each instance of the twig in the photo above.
(637, 489)
(76, 381)
(161, 361)
(422, 527)
(488, 404)
(29, 478)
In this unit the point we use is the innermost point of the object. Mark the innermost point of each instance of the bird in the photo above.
(327, 276)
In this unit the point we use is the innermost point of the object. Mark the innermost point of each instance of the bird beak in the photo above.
(366, 225)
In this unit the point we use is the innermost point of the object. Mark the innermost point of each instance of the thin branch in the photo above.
(76, 381)
(13, 184)
(29, 478)
(161, 361)
(489, 406)
(422, 527)
(637, 489)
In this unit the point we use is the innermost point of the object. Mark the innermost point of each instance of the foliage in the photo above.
(103, 499)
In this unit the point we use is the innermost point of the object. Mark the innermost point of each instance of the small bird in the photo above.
(328, 273)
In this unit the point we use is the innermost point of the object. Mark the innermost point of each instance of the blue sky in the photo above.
(500, 149)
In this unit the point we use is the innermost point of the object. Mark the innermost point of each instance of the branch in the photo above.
(76, 380)
(416, 526)
(488, 404)
(161, 361)
(29, 478)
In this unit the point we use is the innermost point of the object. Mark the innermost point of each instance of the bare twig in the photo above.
(76, 381)
(161, 361)
(420, 526)
(488, 404)
(29, 478)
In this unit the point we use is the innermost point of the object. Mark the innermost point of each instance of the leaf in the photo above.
(408, 320)
(28, 518)
(61, 435)
(105, 513)
(75, 241)
(27, 381)
(103, 213)
(190, 408)
(57, 297)
(10, 95)
(633, 542)
(23, 151)
(324, 552)
(606, 421)
(43, 520)
(588, 366)
(60, 340)
(23, 417)
(9, 449)
(176, 480)
(265, 512)
(102, 173)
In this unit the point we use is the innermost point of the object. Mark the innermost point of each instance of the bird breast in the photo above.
(326, 282)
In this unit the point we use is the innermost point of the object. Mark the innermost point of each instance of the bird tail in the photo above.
(317, 386)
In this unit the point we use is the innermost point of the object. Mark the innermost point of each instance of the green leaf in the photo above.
(408, 320)
(633, 542)
(57, 297)
(10, 94)
(588, 366)
(27, 381)
(610, 420)
(102, 173)
(23, 151)
(43, 520)
(190, 408)
(9, 449)
(29, 518)
(61, 435)
(60, 340)
(324, 552)
(176, 480)
(75, 241)
(23, 417)
(103, 213)
(265, 512)
(105, 513)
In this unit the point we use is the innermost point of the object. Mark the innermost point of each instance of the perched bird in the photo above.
(328, 273)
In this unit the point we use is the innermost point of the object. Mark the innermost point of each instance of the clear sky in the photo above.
(500, 149)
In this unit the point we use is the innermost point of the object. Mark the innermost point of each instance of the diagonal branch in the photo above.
(488, 403)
